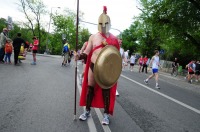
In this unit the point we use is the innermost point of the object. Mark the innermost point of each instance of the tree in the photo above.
(33, 10)
(172, 25)
(66, 24)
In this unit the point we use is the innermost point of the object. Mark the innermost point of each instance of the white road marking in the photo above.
(166, 96)
(90, 121)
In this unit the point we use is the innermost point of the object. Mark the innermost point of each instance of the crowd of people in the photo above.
(19, 46)
(193, 68)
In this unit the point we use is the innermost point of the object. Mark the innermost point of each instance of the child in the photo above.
(8, 50)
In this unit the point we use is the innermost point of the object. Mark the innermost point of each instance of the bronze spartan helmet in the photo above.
(104, 21)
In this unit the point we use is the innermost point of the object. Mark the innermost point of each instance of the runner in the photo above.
(155, 64)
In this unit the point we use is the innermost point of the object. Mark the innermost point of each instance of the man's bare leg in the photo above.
(90, 94)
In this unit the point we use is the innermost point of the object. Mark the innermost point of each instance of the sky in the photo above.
(121, 12)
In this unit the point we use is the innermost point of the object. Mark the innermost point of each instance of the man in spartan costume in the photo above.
(92, 94)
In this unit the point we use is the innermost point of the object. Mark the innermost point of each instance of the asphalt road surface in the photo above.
(40, 98)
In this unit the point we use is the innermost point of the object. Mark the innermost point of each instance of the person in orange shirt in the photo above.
(8, 50)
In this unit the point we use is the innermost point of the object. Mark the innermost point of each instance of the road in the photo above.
(40, 98)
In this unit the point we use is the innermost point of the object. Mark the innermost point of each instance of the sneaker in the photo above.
(105, 120)
(145, 81)
(33, 63)
(84, 116)
(190, 82)
(157, 86)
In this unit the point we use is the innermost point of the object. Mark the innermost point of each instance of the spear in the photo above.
(77, 22)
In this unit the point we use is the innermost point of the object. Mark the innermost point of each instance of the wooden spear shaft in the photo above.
(75, 93)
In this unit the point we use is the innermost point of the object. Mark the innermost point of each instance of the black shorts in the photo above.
(34, 51)
(132, 64)
(191, 73)
(197, 73)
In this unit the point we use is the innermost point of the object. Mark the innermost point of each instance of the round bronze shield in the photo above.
(108, 67)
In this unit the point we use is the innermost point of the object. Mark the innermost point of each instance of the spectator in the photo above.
(197, 71)
(175, 65)
(140, 63)
(26, 47)
(34, 49)
(30, 46)
(144, 66)
(8, 50)
(17, 45)
(3, 37)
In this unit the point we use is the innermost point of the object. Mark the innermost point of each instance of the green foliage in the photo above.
(172, 25)
(66, 24)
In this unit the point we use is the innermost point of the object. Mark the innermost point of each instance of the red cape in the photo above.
(98, 98)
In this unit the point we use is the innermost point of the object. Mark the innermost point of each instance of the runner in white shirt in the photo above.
(155, 64)
(125, 60)
(132, 61)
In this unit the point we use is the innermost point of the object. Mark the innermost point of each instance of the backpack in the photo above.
(65, 48)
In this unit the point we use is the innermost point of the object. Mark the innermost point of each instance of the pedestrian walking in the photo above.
(34, 49)
(8, 51)
(66, 52)
(17, 42)
(155, 64)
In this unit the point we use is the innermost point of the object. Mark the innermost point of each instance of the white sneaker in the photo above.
(105, 120)
(157, 86)
(145, 81)
(84, 116)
